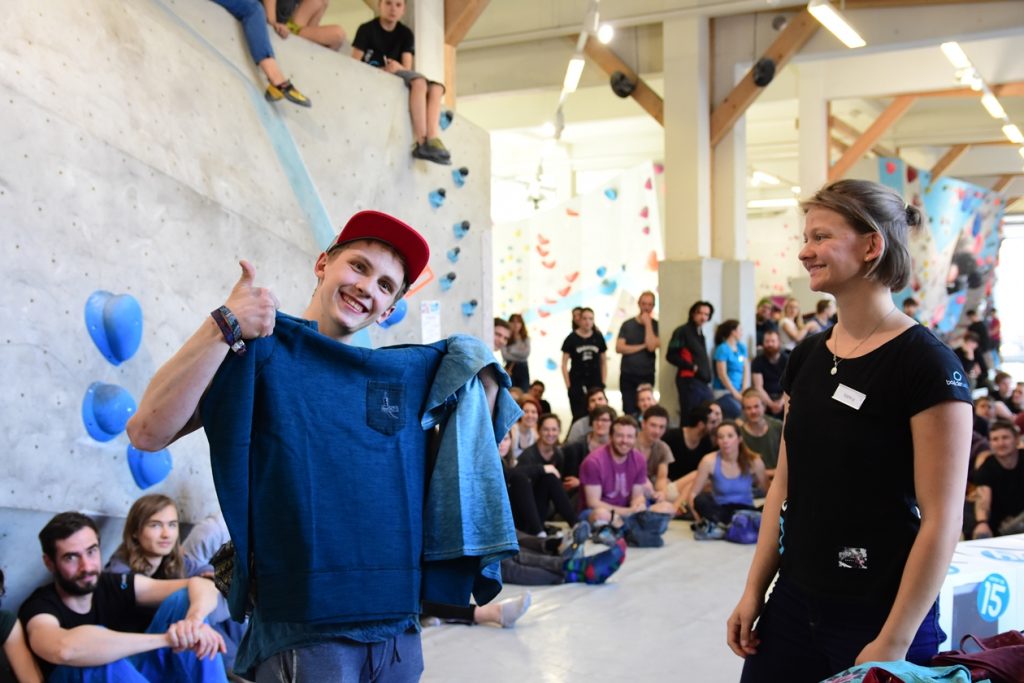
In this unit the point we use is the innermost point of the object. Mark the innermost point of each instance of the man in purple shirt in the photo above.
(613, 478)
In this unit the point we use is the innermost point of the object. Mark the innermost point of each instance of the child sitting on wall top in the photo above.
(387, 43)
(302, 17)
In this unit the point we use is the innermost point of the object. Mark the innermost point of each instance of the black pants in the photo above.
(692, 392)
(627, 385)
(531, 499)
(708, 508)
(578, 389)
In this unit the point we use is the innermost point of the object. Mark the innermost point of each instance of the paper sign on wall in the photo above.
(430, 321)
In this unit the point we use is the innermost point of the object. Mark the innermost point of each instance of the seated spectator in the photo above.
(824, 311)
(761, 434)
(516, 353)
(542, 567)
(657, 454)
(689, 443)
(910, 306)
(614, 477)
(1007, 406)
(792, 328)
(979, 327)
(580, 428)
(524, 431)
(502, 332)
(150, 544)
(733, 470)
(544, 465)
(644, 399)
(601, 419)
(253, 17)
(16, 661)
(766, 372)
(732, 368)
(83, 619)
(763, 321)
(387, 43)
(999, 496)
(973, 360)
(715, 418)
(537, 391)
(302, 17)
(984, 414)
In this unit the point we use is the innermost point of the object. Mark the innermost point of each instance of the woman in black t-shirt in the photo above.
(865, 509)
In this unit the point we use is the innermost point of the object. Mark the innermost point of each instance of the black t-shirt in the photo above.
(686, 459)
(585, 358)
(772, 373)
(640, 363)
(376, 43)
(851, 511)
(113, 606)
(1007, 488)
(7, 621)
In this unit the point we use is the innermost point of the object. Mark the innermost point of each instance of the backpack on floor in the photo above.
(744, 527)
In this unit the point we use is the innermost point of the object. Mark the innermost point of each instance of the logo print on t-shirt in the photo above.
(621, 490)
(957, 381)
(853, 558)
(388, 409)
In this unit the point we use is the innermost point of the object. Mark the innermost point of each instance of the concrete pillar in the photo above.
(687, 145)
(429, 27)
(813, 118)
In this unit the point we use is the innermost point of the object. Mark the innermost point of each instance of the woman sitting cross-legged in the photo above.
(733, 470)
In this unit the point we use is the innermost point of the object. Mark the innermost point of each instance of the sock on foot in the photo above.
(596, 568)
(513, 608)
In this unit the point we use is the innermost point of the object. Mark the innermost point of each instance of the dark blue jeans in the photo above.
(254, 26)
(809, 638)
(692, 392)
(399, 660)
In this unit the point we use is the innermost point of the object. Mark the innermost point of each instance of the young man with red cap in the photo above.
(319, 453)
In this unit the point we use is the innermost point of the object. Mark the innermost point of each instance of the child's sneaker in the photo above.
(706, 530)
(287, 91)
(606, 535)
(574, 545)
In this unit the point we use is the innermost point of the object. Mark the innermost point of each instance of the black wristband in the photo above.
(229, 328)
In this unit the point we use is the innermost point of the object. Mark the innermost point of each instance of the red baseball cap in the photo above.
(375, 225)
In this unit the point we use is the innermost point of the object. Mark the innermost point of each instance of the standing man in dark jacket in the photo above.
(688, 351)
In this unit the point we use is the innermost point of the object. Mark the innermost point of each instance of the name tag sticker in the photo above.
(849, 397)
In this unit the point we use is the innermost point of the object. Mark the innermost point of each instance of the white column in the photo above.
(429, 28)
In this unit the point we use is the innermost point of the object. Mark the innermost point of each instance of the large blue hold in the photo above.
(106, 409)
(114, 322)
(149, 468)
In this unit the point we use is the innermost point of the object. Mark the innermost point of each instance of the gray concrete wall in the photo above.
(140, 157)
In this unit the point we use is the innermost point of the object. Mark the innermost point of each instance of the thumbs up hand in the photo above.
(254, 307)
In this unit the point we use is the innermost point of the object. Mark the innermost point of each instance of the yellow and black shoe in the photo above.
(439, 148)
(288, 92)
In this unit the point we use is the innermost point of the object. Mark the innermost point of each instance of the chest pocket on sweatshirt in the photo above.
(385, 407)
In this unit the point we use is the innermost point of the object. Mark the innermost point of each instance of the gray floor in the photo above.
(661, 617)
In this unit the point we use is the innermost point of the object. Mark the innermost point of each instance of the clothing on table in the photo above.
(837, 454)
(378, 43)
(114, 607)
(616, 479)
(313, 586)
(766, 445)
(638, 367)
(1007, 488)
(686, 459)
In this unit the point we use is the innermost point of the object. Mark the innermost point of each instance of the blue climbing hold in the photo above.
(437, 197)
(114, 322)
(445, 119)
(551, 365)
(611, 193)
(608, 286)
(601, 271)
(460, 229)
(148, 468)
(397, 315)
(453, 254)
(607, 336)
(469, 307)
(459, 176)
(106, 409)
(447, 281)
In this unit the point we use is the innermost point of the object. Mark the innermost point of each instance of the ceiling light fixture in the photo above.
(762, 178)
(572, 75)
(606, 33)
(991, 104)
(1013, 134)
(956, 55)
(830, 18)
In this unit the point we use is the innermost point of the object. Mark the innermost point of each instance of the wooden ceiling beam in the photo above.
(948, 159)
(604, 57)
(840, 126)
(459, 17)
(790, 40)
(1011, 89)
(1003, 182)
(897, 108)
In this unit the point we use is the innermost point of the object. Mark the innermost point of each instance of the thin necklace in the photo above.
(836, 360)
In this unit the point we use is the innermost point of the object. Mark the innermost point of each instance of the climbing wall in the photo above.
(954, 254)
(599, 250)
(140, 162)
